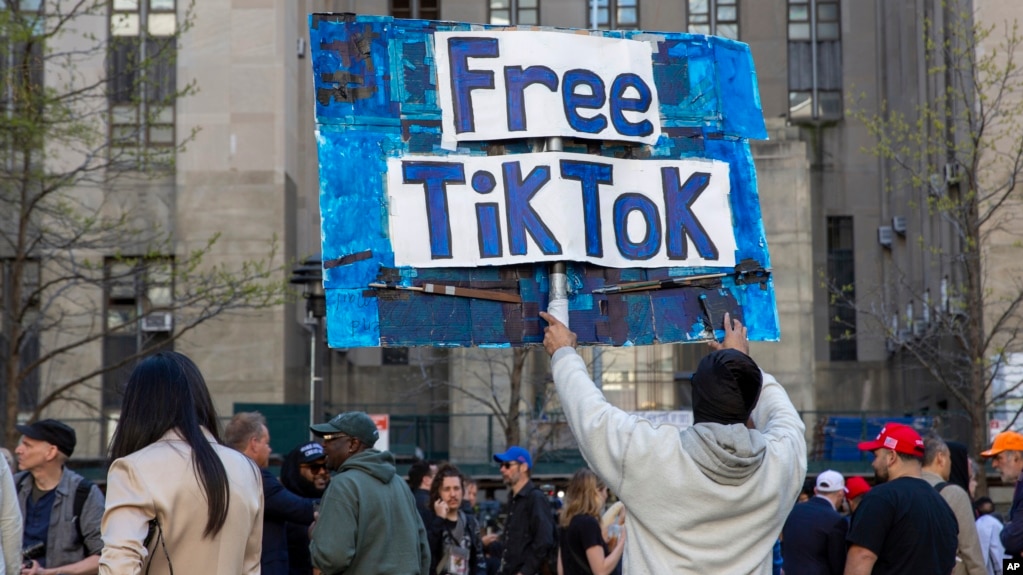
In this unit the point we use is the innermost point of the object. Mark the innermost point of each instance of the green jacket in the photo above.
(368, 522)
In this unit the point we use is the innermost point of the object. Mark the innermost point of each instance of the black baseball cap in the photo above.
(51, 431)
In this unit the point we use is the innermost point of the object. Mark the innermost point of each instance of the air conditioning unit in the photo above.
(952, 175)
(884, 236)
(956, 307)
(919, 328)
(937, 187)
(899, 225)
(158, 321)
(891, 345)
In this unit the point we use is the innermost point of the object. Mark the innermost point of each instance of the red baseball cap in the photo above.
(856, 486)
(897, 437)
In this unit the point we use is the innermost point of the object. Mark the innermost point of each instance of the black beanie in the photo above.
(726, 386)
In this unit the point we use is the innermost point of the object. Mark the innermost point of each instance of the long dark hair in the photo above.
(166, 391)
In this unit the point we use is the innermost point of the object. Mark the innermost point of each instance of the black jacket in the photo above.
(280, 506)
(528, 532)
(299, 562)
(435, 533)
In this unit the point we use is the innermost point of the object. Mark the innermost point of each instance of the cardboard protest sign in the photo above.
(442, 211)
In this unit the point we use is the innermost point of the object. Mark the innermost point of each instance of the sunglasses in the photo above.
(333, 436)
(314, 467)
(508, 464)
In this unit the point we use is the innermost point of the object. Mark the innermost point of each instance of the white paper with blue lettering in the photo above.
(468, 211)
(495, 85)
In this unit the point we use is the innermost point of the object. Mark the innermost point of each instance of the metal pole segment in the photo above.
(312, 379)
(558, 302)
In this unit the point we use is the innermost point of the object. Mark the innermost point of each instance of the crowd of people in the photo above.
(182, 496)
(717, 497)
(919, 518)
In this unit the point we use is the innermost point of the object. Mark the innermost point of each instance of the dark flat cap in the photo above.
(51, 431)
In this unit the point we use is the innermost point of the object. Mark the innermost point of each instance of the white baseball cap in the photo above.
(830, 481)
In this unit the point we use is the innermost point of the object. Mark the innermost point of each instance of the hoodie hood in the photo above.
(291, 477)
(375, 463)
(727, 454)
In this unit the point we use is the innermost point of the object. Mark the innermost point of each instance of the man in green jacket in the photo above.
(368, 521)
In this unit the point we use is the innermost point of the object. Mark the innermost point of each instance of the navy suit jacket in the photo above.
(280, 506)
(813, 539)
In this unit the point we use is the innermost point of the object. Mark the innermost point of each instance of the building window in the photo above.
(394, 356)
(139, 297)
(815, 60)
(21, 81)
(416, 9)
(842, 279)
(613, 14)
(639, 378)
(714, 17)
(25, 314)
(142, 79)
(514, 12)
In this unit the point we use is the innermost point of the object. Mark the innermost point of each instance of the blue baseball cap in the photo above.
(515, 453)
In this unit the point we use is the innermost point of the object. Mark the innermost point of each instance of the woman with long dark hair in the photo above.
(177, 500)
(583, 548)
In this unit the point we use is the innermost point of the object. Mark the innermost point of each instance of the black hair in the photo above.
(808, 487)
(167, 391)
(983, 506)
(910, 457)
(420, 468)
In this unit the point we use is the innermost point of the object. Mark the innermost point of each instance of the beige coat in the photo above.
(969, 555)
(160, 481)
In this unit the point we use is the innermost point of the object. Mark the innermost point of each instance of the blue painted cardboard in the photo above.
(376, 99)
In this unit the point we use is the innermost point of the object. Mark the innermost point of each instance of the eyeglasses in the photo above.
(314, 467)
(333, 436)
(508, 464)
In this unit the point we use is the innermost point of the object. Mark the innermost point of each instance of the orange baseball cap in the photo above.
(1004, 441)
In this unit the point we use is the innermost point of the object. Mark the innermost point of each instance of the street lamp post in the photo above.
(310, 276)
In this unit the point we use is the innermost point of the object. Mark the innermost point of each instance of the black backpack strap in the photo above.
(939, 486)
(81, 494)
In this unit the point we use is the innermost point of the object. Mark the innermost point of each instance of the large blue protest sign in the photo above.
(442, 211)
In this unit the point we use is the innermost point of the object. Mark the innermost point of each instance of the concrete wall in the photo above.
(783, 179)
(1002, 255)
(231, 181)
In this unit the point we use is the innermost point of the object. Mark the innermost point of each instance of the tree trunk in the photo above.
(512, 431)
